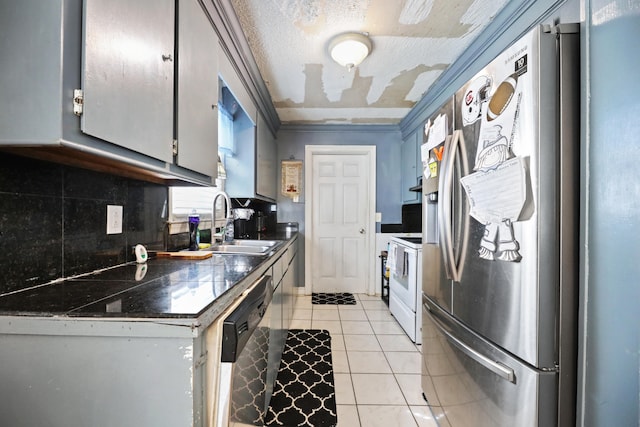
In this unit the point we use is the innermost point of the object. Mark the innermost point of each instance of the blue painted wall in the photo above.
(611, 214)
(293, 140)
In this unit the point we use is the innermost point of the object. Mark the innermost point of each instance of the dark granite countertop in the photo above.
(160, 288)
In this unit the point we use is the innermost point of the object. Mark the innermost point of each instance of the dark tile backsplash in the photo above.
(53, 220)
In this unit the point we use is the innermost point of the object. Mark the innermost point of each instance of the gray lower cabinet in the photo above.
(283, 279)
(62, 371)
(284, 272)
(66, 372)
(100, 78)
(277, 337)
(289, 282)
(281, 312)
(295, 278)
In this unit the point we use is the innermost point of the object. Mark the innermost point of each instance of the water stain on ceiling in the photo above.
(414, 41)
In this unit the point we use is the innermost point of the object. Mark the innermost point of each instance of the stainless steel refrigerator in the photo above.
(500, 239)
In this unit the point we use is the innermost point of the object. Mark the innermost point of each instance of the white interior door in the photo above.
(340, 219)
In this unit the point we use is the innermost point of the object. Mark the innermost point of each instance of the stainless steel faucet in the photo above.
(228, 225)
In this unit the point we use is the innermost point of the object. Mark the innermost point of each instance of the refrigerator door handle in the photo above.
(463, 209)
(444, 205)
(454, 148)
(496, 367)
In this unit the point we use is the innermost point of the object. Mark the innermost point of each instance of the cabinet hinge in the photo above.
(174, 147)
(201, 361)
(78, 101)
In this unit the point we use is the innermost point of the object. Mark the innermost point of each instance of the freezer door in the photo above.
(470, 383)
(508, 287)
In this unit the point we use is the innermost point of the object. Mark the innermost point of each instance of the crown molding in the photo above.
(339, 128)
(234, 42)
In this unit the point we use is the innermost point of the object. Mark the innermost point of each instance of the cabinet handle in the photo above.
(166, 58)
(362, 231)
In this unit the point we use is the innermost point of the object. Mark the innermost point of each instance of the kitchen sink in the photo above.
(244, 247)
(243, 242)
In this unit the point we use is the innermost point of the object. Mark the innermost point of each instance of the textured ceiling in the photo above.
(413, 42)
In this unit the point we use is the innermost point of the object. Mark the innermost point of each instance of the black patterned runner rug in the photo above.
(304, 393)
(340, 298)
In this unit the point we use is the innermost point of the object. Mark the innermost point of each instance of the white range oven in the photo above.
(405, 289)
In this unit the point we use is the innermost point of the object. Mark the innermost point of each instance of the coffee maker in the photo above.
(242, 222)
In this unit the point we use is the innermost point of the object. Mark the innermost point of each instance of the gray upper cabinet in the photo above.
(128, 75)
(93, 83)
(197, 125)
(266, 163)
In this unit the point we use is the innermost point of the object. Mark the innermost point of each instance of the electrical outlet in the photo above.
(114, 219)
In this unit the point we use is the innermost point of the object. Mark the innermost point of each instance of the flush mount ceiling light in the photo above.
(350, 49)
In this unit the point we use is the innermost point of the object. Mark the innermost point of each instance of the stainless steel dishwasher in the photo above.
(243, 399)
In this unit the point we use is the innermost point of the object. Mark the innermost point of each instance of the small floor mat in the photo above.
(304, 393)
(340, 298)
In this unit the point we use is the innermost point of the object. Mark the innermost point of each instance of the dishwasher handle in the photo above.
(238, 326)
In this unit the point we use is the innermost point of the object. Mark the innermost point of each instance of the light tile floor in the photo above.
(376, 366)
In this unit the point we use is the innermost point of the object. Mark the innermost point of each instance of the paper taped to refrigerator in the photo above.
(424, 155)
(497, 194)
(437, 132)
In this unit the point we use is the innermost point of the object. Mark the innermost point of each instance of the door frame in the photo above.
(309, 152)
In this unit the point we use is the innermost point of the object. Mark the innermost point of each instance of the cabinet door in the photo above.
(293, 271)
(266, 167)
(197, 126)
(410, 168)
(289, 282)
(128, 74)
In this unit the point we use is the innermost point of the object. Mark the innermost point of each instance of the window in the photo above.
(226, 143)
(185, 200)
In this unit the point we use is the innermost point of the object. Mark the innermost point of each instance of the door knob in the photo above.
(362, 231)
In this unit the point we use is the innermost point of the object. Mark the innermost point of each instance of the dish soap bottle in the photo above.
(194, 233)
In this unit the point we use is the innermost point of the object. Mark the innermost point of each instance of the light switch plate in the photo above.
(378, 216)
(114, 219)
